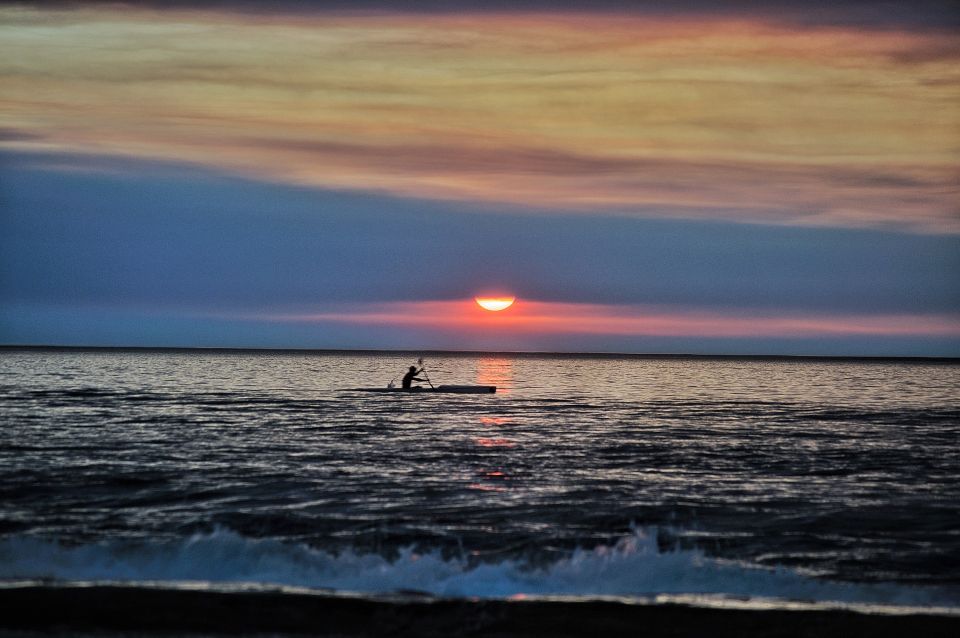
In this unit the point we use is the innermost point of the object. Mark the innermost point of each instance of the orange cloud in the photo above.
(726, 119)
(542, 318)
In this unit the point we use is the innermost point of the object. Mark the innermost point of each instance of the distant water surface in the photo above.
(627, 476)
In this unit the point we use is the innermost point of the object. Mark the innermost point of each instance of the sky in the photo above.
(666, 177)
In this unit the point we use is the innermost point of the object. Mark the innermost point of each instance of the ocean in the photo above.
(743, 482)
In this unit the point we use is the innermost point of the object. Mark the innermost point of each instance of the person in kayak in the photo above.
(411, 376)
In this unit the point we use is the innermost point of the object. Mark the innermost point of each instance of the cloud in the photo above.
(931, 14)
(14, 135)
(173, 236)
(731, 118)
(106, 326)
(547, 318)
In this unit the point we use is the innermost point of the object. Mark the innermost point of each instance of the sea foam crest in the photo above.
(632, 567)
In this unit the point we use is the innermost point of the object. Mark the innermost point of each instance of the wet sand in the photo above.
(115, 610)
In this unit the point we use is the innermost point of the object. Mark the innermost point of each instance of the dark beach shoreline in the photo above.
(106, 610)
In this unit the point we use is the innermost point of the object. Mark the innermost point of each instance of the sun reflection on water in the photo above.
(496, 371)
(495, 474)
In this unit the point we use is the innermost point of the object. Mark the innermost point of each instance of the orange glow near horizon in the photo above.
(495, 304)
(544, 318)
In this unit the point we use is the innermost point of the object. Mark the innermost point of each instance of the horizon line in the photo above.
(575, 354)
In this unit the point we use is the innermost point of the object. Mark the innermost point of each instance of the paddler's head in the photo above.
(413, 368)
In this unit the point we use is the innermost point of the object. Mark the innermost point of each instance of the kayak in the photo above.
(452, 389)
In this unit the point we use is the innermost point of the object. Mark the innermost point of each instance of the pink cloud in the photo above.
(540, 317)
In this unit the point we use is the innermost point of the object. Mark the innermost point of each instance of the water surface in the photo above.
(817, 479)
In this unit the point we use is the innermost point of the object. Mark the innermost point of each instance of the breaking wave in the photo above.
(633, 567)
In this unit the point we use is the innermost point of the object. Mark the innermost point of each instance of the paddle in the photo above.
(424, 371)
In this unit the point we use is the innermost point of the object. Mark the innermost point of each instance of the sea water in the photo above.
(586, 476)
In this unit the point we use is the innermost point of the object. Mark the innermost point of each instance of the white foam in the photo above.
(631, 568)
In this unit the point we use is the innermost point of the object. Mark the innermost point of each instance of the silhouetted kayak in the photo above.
(452, 389)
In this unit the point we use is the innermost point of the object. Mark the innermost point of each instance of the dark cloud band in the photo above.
(920, 14)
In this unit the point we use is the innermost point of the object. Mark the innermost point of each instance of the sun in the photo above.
(495, 304)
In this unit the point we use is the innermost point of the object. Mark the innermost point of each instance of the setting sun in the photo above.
(495, 303)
